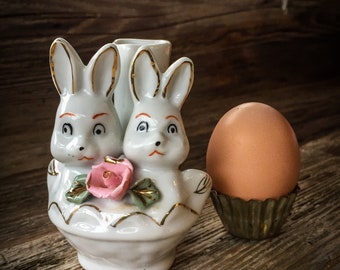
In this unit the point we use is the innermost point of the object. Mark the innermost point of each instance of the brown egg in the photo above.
(253, 153)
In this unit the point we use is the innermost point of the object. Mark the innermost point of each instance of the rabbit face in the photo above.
(86, 124)
(84, 134)
(155, 135)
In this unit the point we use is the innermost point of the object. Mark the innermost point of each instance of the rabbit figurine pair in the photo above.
(115, 189)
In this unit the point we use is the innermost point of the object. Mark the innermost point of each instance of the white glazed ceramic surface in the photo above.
(127, 48)
(112, 234)
(155, 139)
(86, 126)
(130, 240)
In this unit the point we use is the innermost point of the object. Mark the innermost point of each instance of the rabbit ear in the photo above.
(63, 61)
(178, 79)
(144, 75)
(105, 65)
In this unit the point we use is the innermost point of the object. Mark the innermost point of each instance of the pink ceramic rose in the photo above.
(110, 179)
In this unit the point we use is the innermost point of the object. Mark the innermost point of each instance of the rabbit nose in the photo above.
(81, 148)
(158, 143)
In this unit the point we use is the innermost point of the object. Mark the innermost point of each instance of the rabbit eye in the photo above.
(98, 129)
(143, 126)
(172, 128)
(67, 129)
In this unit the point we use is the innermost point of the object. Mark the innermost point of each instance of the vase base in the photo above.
(92, 263)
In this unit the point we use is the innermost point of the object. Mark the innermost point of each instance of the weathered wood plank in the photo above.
(313, 225)
(309, 238)
(243, 51)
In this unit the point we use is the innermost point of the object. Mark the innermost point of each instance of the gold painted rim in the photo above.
(123, 218)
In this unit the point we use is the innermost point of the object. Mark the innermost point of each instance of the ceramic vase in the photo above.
(127, 48)
(115, 188)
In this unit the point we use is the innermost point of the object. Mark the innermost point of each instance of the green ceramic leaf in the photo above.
(78, 192)
(144, 193)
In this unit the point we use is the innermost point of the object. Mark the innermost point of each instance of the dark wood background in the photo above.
(242, 51)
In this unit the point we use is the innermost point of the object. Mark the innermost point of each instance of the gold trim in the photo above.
(52, 168)
(173, 74)
(67, 220)
(113, 160)
(113, 71)
(203, 185)
(145, 193)
(52, 51)
(153, 64)
(122, 219)
(52, 67)
(133, 214)
(153, 219)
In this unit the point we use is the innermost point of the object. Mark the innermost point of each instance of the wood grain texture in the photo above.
(242, 51)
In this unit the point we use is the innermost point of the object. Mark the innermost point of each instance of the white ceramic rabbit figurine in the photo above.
(86, 125)
(155, 140)
(109, 234)
(127, 48)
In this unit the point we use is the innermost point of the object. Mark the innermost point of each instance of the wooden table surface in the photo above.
(242, 51)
